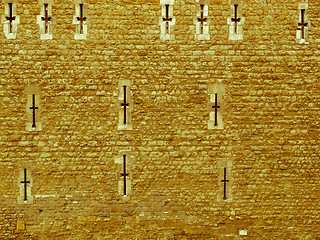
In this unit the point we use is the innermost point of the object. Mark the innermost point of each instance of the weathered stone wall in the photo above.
(270, 136)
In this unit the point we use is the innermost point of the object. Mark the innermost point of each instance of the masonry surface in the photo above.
(270, 139)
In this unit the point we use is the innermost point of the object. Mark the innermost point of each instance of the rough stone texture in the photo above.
(271, 129)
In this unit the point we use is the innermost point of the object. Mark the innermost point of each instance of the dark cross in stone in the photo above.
(202, 19)
(225, 184)
(25, 184)
(124, 104)
(10, 18)
(124, 175)
(167, 19)
(33, 108)
(46, 19)
(215, 106)
(302, 25)
(81, 19)
(235, 19)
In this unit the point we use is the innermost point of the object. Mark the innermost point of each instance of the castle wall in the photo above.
(269, 143)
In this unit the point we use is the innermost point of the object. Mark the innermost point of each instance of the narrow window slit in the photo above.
(167, 19)
(11, 18)
(302, 25)
(235, 19)
(81, 18)
(124, 175)
(25, 182)
(125, 104)
(33, 108)
(225, 184)
(215, 106)
(202, 19)
(46, 19)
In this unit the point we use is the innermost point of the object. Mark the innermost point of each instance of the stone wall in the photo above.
(269, 142)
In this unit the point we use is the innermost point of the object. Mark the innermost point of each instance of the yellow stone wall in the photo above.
(270, 139)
